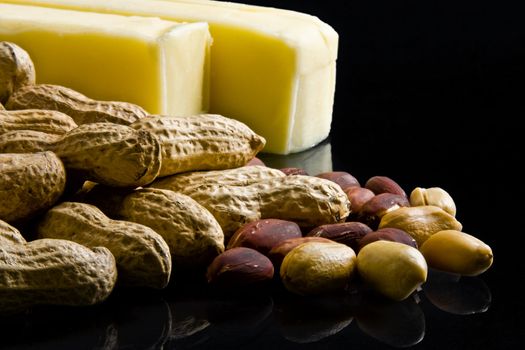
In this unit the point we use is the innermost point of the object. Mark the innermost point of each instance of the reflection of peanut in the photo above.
(29, 183)
(79, 107)
(16, 69)
(52, 271)
(202, 142)
(143, 257)
(111, 154)
(306, 200)
(48, 121)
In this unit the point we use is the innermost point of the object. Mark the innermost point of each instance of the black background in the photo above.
(429, 93)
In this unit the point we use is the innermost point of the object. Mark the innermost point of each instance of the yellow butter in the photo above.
(270, 68)
(157, 64)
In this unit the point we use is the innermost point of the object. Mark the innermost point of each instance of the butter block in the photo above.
(160, 65)
(272, 69)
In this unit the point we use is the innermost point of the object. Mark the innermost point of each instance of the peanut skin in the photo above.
(143, 257)
(201, 142)
(29, 183)
(239, 267)
(78, 106)
(263, 235)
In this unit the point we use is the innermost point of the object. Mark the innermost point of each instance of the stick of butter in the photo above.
(157, 64)
(272, 69)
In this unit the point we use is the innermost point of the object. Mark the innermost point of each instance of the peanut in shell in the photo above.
(143, 257)
(242, 176)
(306, 200)
(16, 69)
(51, 271)
(47, 121)
(202, 142)
(29, 183)
(191, 232)
(81, 108)
(111, 154)
(10, 235)
(27, 141)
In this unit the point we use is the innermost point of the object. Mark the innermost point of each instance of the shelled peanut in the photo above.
(383, 255)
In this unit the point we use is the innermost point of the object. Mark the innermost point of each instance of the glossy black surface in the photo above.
(429, 93)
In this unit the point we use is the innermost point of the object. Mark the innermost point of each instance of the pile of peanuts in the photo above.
(111, 195)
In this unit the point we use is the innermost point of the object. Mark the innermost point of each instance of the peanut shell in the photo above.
(202, 142)
(241, 176)
(47, 121)
(10, 235)
(306, 200)
(54, 271)
(29, 183)
(81, 108)
(191, 232)
(142, 256)
(27, 141)
(16, 69)
(111, 154)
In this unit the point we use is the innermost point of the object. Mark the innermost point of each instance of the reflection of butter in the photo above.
(272, 69)
(315, 161)
(151, 62)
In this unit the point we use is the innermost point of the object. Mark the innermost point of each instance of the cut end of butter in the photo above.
(157, 64)
(272, 69)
